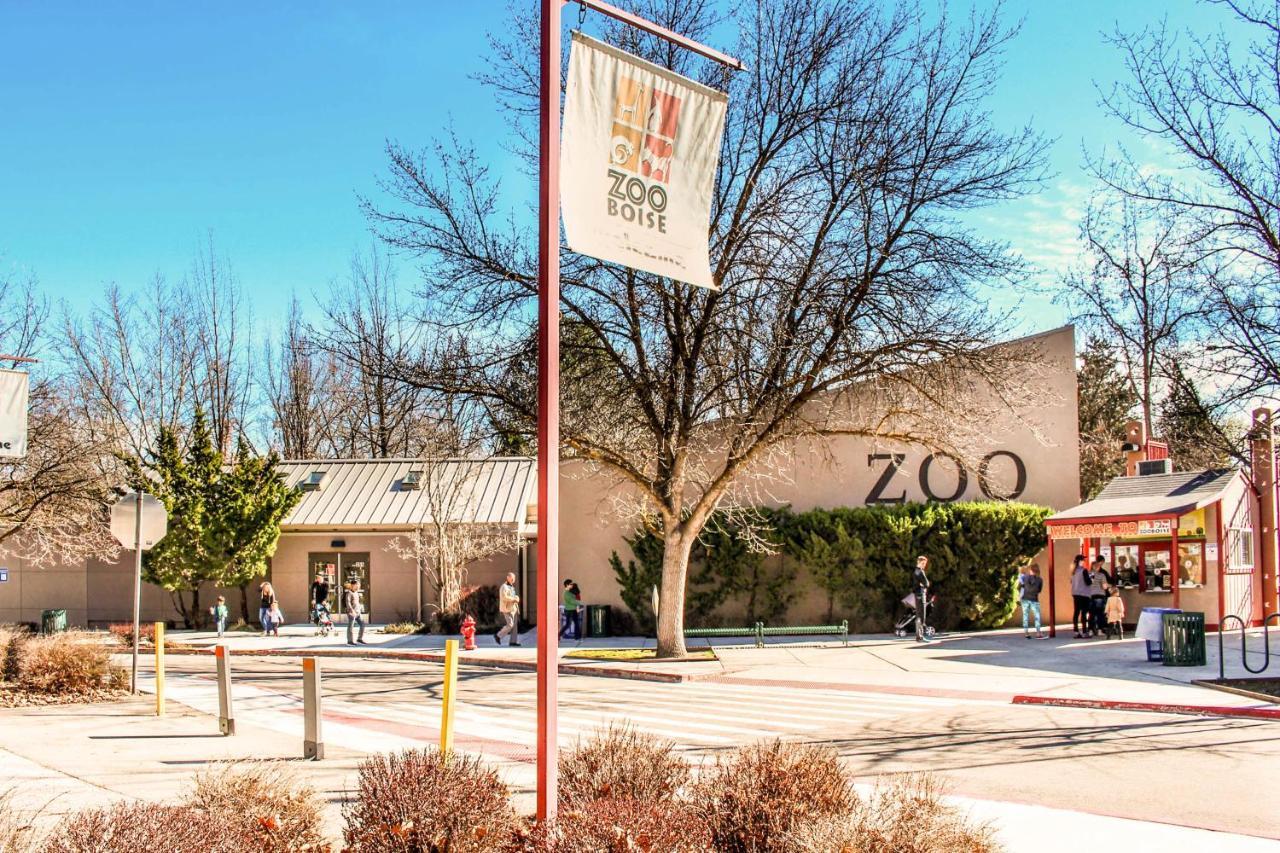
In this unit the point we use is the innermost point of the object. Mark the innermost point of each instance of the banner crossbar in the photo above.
(661, 32)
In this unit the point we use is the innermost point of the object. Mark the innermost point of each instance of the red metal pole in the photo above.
(1053, 594)
(548, 571)
(1175, 567)
(661, 32)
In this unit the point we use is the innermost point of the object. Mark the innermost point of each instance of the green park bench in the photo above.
(759, 632)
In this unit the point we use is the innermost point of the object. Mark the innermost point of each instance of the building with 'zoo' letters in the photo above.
(351, 510)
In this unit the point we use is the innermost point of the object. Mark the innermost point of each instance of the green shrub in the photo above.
(417, 801)
(621, 762)
(756, 797)
(860, 557)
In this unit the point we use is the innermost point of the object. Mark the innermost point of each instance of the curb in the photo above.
(1152, 707)
(438, 657)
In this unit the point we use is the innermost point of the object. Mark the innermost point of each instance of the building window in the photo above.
(1191, 564)
(1241, 553)
(1126, 566)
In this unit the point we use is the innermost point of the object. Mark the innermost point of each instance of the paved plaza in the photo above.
(1043, 773)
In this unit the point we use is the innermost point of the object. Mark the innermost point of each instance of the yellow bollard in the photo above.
(159, 669)
(450, 692)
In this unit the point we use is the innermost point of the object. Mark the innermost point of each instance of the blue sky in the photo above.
(130, 131)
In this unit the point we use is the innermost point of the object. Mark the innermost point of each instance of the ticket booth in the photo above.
(1184, 540)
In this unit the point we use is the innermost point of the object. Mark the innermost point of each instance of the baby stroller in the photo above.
(907, 624)
(322, 619)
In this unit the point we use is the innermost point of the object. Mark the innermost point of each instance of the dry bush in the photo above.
(620, 825)
(757, 796)
(622, 763)
(416, 801)
(70, 662)
(17, 834)
(265, 801)
(12, 638)
(904, 815)
(144, 828)
(123, 631)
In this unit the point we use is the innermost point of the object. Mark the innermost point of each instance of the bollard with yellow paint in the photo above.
(450, 691)
(159, 642)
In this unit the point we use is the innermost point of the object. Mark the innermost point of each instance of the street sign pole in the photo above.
(137, 588)
(548, 405)
(549, 365)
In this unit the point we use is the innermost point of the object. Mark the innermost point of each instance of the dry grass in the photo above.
(17, 830)
(265, 801)
(123, 632)
(144, 828)
(619, 825)
(754, 799)
(69, 662)
(903, 815)
(418, 802)
(622, 763)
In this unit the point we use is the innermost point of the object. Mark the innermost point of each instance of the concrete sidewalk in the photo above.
(72, 757)
(991, 664)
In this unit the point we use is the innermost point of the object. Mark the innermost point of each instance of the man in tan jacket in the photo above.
(509, 607)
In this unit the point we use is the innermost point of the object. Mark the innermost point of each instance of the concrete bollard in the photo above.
(226, 717)
(313, 733)
(449, 694)
(159, 643)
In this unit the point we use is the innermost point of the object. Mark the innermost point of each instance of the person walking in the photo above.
(572, 618)
(509, 607)
(351, 606)
(1099, 587)
(267, 602)
(319, 595)
(1029, 586)
(219, 613)
(920, 588)
(1081, 589)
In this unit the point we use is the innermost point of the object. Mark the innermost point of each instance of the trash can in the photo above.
(1151, 629)
(1183, 639)
(53, 621)
(598, 618)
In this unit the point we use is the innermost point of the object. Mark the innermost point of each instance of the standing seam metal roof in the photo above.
(1154, 494)
(367, 493)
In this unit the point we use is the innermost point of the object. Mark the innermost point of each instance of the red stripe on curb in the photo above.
(1152, 707)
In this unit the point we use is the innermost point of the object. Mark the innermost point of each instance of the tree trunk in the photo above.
(244, 603)
(675, 571)
(195, 620)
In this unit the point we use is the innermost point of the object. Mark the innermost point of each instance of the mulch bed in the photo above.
(11, 697)
(1268, 686)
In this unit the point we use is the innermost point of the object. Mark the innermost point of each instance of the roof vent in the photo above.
(411, 482)
(313, 482)
(1147, 467)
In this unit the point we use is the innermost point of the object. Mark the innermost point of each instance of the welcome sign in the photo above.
(637, 162)
(14, 391)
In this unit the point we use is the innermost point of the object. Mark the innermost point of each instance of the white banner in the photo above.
(637, 162)
(13, 413)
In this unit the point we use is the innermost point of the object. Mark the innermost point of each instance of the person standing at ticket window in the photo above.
(1099, 586)
(920, 588)
(1081, 590)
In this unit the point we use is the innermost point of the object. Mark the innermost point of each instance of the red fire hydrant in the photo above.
(469, 633)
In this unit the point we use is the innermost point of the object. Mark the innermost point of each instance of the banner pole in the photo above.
(548, 573)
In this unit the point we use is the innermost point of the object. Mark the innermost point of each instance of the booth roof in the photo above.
(1154, 494)
(372, 494)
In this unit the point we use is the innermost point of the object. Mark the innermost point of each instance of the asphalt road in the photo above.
(1205, 772)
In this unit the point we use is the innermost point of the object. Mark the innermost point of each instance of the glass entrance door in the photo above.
(337, 568)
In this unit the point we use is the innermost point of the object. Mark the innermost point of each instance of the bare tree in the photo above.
(367, 333)
(220, 338)
(299, 385)
(52, 501)
(1135, 288)
(846, 300)
(1209, 103)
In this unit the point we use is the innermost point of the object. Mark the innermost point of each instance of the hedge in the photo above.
(860, 557)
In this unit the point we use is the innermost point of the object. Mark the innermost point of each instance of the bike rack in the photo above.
(1244, 653)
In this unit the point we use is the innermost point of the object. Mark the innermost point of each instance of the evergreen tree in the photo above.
(1106, 402)
(224, 520)
(1198, 438)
